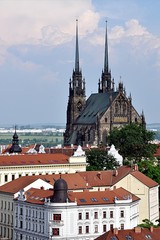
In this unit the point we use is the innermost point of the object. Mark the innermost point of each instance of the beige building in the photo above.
(132, 180)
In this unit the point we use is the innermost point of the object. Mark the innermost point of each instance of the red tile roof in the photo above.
(101, 197)
(135, 234)
(111, 177)
(33, 159)
(74, 182)
(38, 196)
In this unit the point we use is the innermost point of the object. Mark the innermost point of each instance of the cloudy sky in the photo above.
(37, 51)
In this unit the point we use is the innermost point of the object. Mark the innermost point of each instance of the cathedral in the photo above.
(89, 121)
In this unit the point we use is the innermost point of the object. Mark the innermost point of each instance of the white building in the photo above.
(44, 214)
(13, 166)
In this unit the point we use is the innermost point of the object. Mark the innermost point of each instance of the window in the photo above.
(111, 214)
(87, 215)
(13, 177)
(55, 231)
(104, 214)
(80, 230)
(96, 228)
(6, 178)
(122, 214)
(21, 224)
(122, 226)
(57, 217)
(95, 215)
(80, 216)
(20, 175)
(104, 228)
(21, 211)
(87, 229)
(111, 226)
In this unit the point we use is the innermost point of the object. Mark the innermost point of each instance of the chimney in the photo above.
(135, 167)
(99, 175)
(115, 172)
(151, 228)
(137, 229)
(115, 231)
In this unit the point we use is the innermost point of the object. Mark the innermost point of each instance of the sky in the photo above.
(37, 55)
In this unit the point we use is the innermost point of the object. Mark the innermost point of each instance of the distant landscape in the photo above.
(49, 135)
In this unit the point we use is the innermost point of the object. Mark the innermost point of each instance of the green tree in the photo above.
(146, 224)
(98, 159)
(133, 141)
(151, 170)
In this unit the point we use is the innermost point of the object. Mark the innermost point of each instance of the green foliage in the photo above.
(99, 159)
(133, 141)
(151, 170)
(146, 224)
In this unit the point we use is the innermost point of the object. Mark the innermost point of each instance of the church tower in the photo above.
(105, 84)
(77, 96)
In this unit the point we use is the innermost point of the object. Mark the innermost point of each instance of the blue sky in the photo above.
(37, 51)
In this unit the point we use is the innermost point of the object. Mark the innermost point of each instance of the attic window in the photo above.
(94, 200)
(114, 238)
(148, 236)
(128, 237)
(105, 199)
(82, 200)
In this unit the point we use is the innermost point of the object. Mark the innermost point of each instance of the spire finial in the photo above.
(106, 52)
(77, 49)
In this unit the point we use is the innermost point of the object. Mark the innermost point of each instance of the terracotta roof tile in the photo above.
(33, 159)
(135, 234)
(74, 181)
(144, 179)
(38, 196)
(101, 197)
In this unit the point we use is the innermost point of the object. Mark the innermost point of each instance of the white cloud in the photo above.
(24, 21)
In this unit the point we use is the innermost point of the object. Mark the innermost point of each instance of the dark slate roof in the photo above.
(96, 104)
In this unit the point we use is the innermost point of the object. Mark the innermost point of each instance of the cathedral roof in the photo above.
(96, 104)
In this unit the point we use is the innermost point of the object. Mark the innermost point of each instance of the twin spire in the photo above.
(77, 50)
(105, 83)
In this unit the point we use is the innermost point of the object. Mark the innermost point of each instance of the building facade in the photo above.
(72, 215)
(90, 121)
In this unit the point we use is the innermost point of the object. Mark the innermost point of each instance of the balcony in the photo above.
(54, 223)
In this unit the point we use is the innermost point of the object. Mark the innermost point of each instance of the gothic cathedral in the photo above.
(90, 121)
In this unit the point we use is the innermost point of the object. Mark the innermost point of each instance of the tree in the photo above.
(133, 141)
(98, 159)
(151, 170)
(146, 224)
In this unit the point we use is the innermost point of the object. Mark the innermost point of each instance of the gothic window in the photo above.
(124, 109)
(79, 106)
(117, 108)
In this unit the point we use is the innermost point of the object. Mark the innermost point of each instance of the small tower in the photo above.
(77, 96)
(60, 191)
(15, 148)
(105, 85)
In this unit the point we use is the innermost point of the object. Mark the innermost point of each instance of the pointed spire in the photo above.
(106, 52)
(77, 50)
